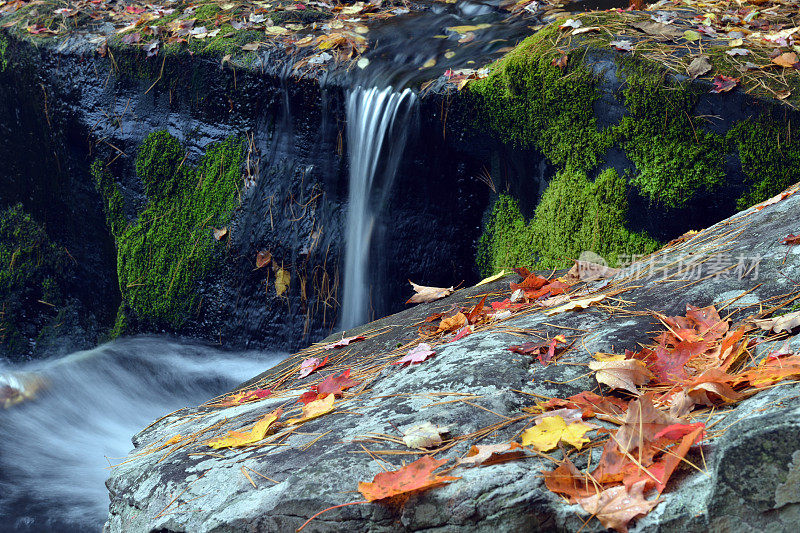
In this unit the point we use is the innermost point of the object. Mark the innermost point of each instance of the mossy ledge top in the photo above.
(743, 46)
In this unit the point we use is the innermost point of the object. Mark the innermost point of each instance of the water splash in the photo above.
(54, 446)
(377, 128)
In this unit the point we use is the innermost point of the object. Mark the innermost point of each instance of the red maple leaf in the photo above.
(723, 84)
(335, 385)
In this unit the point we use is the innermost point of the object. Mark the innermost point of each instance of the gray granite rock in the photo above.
(748, 478)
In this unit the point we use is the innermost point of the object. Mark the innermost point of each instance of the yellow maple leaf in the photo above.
(282, 279)
(546, 435)
(574, 434)
(314, 409)
(245, 438)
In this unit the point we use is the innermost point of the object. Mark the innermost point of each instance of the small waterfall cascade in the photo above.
(377, 129)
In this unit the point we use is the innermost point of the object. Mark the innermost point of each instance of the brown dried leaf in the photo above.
(428, 294)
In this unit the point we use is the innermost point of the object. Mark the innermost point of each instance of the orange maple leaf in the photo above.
(413, 477)
(568, 480)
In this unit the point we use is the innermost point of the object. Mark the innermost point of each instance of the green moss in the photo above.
(170, 248)
(227, 41)
(3, 51)
(574, 215)
(158, 165)
(529, 102)
(674, 158)
(769, 151)
(114, 203)
(305, 16)
(31, 269)
(120, 323)
(206, 13)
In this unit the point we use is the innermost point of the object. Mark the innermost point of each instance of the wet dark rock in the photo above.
(750, 476)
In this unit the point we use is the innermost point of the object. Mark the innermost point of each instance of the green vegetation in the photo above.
(532, 103)
(114, 203)
(674, 157)
(574, 215)
(163, 255)
(3, 51)
(769, 152)
(31, 269)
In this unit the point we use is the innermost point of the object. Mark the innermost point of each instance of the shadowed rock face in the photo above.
(293, 198)
(477, 388)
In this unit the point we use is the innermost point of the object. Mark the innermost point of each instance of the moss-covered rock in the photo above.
(769, 151)
(575, 215)
(674, 157)
(530, 102)
(170, 248)
(32, 268)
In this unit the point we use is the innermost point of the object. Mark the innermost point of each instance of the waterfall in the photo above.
(377, 128)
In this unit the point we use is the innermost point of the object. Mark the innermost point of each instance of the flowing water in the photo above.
(55, 448)
(377, 128)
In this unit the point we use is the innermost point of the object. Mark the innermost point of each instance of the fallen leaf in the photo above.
(737, 52)
(282, 280)
(775, 199)
(220, 233)
(418, 354)
(461, 333)
(452, 323)
(490, 454)
(476, 312)
(622, 45)
(658, 29)
(625, 374)
(335, 385)
(779, 324)
(531, 282)
(617, 506)
(772, 370)
(551, 430)
(786, 60)
(466, 29)
(428, 294)
(662, 470)
(544, 351)
(263, 258)
(424, 435)
(571, 23)
(641, 425)
(567, 479)
(239, 438)
(344, 342)
(310, 365)
(314, 409)
(574, 305)
(723, 84)
(588, 271)
(412, 477)
(691, 35)
(490, 279)
(700, 65)
(243, 397)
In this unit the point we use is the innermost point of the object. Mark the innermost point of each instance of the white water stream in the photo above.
(377, 128)
(55, 448)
